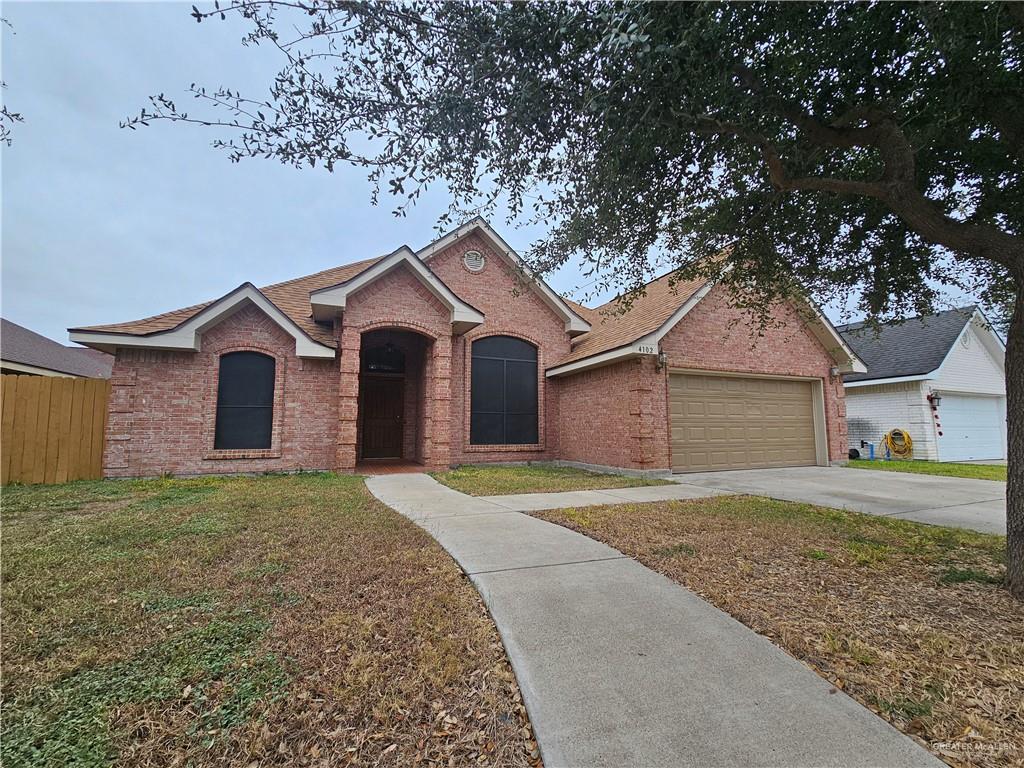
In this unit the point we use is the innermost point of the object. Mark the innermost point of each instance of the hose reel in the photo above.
(898, 444)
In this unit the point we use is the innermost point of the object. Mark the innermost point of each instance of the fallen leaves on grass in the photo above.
(906, 618)
(245, 622)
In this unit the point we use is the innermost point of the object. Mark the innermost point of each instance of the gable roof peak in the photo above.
(575, 324)
(915, 346)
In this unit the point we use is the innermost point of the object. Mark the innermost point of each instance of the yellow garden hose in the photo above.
(898, 443)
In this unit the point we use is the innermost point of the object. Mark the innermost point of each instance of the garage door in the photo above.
(972, 428)
(731, 422)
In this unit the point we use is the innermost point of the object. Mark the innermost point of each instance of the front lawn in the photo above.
(490, 480)
(909, 619)
(947, 468)
(242, 621)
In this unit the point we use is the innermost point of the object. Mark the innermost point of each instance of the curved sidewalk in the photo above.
(619, 666)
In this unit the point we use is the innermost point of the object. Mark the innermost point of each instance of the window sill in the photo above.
(528, 448)
(243, 453)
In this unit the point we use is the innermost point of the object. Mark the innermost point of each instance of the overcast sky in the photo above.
(102, 224)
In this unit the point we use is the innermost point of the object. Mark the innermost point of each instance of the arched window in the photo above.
(503, 394)
(245, 401)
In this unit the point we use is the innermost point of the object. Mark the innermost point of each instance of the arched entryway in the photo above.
(392, 403)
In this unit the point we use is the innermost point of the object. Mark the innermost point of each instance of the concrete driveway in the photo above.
(979, 505)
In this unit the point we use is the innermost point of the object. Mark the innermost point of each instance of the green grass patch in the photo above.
(212, 667)
(816, 554)
(682, 548)
(158, 603)
(948, 469)
(492, 480)
(905, 708)
(263, 570)
(965, 575)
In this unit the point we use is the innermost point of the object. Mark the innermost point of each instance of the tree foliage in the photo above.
(838, 145)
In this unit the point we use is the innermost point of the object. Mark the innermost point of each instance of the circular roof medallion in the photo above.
(474, 261)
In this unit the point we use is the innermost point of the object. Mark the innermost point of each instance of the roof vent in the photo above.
(474, 261)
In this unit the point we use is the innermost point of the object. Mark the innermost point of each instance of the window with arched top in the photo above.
(503, 392)
(245, 401)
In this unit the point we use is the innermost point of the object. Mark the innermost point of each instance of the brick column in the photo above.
(438, 381)
(120, 415)
(348, 400)
(641, 411)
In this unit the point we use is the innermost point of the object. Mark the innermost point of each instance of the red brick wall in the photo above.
(615, 416)
(510, 309)
(716, 337)
(163, 406)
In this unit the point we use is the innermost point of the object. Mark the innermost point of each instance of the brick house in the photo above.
(447, 355)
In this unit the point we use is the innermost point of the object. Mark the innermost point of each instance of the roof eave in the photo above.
(187, 335)
(888, 380)
(598, 360)
(329, 302)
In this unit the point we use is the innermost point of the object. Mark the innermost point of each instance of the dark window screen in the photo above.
(503, 394)
(245, 401)
(385, 359)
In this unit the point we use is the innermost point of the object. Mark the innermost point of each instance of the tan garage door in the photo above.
(732, 422)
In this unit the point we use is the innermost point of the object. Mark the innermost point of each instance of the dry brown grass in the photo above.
(246, 621)
(908, 619)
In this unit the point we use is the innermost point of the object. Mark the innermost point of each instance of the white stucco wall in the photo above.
(871, 411)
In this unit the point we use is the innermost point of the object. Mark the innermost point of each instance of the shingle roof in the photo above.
(20, 345)
(613, 328)
(588, 314)
(291, 297)
(909, 348)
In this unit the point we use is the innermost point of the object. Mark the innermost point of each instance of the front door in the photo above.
(382, 418)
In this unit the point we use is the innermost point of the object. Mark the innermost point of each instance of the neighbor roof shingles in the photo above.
(291, 297)
(910, 348)
(20, 345)
(612, 328)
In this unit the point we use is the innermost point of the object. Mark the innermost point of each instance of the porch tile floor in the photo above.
(388, 467)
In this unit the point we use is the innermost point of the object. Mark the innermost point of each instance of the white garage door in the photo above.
(733, 422)
(973, 427)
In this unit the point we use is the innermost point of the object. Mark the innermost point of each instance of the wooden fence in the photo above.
(51, 428)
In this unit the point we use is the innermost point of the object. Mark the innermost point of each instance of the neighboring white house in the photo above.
(939, 377)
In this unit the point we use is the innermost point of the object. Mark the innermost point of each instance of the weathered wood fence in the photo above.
(51, 428)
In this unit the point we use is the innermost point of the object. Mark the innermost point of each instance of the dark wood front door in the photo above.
(382, 418)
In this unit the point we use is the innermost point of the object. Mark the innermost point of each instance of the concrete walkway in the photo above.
(620, 666)
(978, 505)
